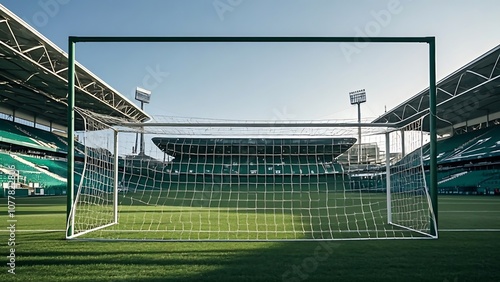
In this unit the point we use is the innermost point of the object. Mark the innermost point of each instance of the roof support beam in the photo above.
(13, 36)
(475, 73)
(494, 66)
(444, 91)
(31, 49)
(49, 60)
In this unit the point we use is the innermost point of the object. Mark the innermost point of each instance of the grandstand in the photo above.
(470, 162)
(254, 160)
(468, 124)
(33, 109)
(18, 137)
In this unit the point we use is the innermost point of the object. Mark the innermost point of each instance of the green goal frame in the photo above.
(72, 40)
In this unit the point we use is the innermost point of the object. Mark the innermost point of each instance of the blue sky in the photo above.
(268, 81)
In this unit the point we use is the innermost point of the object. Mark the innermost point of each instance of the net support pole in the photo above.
(70, 190)
(403, 149)
(142, 145)
(433, 136)
(115, 176)
(388, 176)
(359, 134)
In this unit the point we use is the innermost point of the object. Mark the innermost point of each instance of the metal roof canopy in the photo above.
(33, 79)
(468, 96)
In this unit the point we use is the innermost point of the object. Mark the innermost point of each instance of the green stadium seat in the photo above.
(470, 146)
(30, 137)
(27, 167)
(9, 133)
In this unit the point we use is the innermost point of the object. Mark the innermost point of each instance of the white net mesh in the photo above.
(198, 179)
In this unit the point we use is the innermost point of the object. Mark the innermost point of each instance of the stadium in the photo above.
(244, 181)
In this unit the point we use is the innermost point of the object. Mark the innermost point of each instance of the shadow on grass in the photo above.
(402, 260)
(454, 257)
(38, 212)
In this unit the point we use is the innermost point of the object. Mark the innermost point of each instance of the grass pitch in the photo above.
(252, 215)
(467, 250)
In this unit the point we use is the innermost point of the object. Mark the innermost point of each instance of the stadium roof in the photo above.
(468, 96)
(33, 78)
(245, 146)
(283, 141)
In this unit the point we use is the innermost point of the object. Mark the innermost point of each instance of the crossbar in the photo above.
(248, 39)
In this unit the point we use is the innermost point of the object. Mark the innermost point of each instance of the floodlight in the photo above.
(142, 95)
(357, 97)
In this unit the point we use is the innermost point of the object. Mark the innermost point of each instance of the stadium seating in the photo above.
(32, 171)
(58, 167)
(470, 146)
(10, 133)
(34, 138)
(482, 146)
(468, 163)
(470, 178)
(244, 165)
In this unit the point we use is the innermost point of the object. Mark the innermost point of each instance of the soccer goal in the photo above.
(196, 179)
(214, 180)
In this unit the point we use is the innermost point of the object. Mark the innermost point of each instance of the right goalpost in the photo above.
(215, 180)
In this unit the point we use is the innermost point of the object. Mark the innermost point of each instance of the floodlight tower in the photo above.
(358, 97)
(143, 96)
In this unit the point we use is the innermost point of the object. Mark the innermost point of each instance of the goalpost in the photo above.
(233, 180)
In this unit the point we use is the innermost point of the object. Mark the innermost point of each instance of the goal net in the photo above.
(196, 179)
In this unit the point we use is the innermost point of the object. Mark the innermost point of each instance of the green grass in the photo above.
(252, 215)
(455, 256)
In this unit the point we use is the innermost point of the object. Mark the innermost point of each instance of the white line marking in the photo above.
(59, 213)
(466, 211)
(37, 230)
(25, 204)
(132, 231)
(473, 203)
(470, 230)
